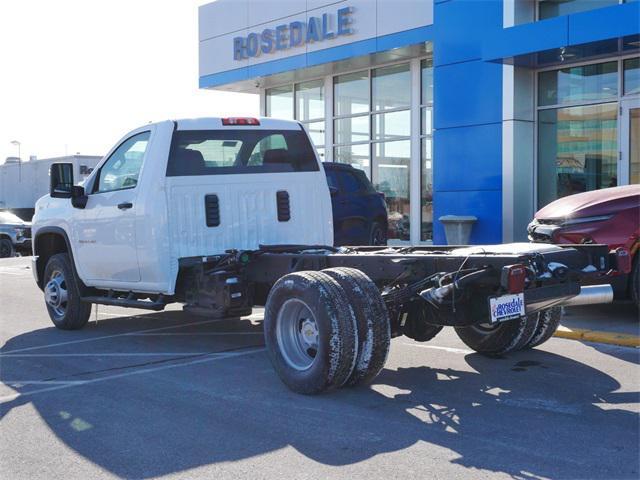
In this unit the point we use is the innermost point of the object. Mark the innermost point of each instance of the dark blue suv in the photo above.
(359, 212)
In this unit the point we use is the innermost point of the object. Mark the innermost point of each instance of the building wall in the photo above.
(467, 118)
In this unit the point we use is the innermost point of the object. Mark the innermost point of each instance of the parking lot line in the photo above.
(103, 337)
(209, 358)
(446, 349)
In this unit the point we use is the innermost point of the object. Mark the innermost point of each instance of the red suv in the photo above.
(609, 216)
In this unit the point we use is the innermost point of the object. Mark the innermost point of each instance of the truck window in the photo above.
(220, 152)
(122, 169)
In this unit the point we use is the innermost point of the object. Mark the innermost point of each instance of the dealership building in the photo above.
(487, 108)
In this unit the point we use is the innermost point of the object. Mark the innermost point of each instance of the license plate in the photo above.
(506, 307)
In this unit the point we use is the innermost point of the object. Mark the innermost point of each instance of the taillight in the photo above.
(623, 260)
(240, 121)
(513, 278)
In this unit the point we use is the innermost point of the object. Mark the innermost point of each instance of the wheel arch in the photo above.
(50, 241)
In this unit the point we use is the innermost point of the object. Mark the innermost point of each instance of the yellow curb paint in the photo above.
(621, 339)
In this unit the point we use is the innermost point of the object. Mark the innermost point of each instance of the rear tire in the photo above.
(378, 235)
(310, 332)
(500, 339)
(62, 295)
(6, 248)
(548, 323)
(374, 330)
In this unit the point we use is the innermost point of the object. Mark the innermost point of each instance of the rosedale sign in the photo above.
(294, 34)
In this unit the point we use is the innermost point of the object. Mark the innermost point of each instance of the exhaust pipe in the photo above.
(591, 295)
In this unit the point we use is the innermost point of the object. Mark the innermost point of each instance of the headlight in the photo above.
(576, 221)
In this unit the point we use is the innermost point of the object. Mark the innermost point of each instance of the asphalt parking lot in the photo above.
(142, 395)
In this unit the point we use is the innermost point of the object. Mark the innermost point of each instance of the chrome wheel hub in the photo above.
(297, 334)
(55, 294)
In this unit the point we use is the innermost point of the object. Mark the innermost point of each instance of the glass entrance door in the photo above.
(629, 165)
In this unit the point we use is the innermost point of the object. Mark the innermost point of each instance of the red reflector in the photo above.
(240, 121)
(513, 278)
(623, 260)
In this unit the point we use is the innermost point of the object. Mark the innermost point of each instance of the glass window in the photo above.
(391, 87)
(427, 120)
(426, 191)
(390, 126)
(351, 129)
(316, 132)
(123, 167)
(578, 84)
(634, 145)
(555, 8)
(217, 152)
(351, 94)
(355, 155)
(427, 81)
(310, 100)
(577, 150)
(391, 177)
(632, 76)
(280, 102)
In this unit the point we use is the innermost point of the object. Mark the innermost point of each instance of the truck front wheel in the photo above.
(310, 332)
(501, 338)
(62, 295)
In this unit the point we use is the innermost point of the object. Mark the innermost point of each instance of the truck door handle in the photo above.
(125, 205)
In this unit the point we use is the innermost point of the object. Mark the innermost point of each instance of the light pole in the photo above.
(17, 143)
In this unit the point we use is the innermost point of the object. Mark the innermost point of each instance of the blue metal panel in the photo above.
(485, 205)
(461, 25)
(401, 39)
(223, 78)
(473, 158)
(527, 38)
(467, 93)
(277, 66)
(342, 52)
(604, 23)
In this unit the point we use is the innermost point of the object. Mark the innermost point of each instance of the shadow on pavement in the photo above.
(535, 414)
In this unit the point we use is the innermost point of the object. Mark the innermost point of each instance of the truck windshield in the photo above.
(218, 152)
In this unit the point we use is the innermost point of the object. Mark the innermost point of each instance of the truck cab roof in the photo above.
(218, 123)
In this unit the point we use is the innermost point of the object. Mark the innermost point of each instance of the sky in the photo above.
(77, 75)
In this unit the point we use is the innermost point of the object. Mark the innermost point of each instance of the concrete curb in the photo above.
(611, 338)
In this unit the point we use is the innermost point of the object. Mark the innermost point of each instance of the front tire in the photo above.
(310, 332)
(6, 248)
(378, 235)
(634, 281)
(62, 295)
(499, 339)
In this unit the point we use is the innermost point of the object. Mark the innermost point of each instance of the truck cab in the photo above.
(184, 189)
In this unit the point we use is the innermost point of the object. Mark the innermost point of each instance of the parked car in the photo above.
(609, 216)
(359, 211)
(15, 235)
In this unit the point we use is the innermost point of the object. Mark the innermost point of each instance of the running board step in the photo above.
(126, 302)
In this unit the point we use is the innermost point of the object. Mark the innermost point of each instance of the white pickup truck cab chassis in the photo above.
(222, 214)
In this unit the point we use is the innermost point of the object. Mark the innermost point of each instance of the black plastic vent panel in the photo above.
(284, 209)
(212, 210)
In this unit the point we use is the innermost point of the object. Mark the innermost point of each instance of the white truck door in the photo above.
(105, 230)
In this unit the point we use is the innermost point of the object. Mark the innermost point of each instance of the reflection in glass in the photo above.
(316, 132)
(310, 100)
(427, 81)
(390, 126)
(427, 120)
(391, 87)
(555, 8)
(351, 129)
(578, 84)
(280, 102)
(426, 191)
(634, 145)
(351, 94)
(632, 76)
(391, 177)
(577, 150)
(355, 155)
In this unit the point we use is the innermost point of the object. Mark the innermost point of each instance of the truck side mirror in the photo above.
(61, 185)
